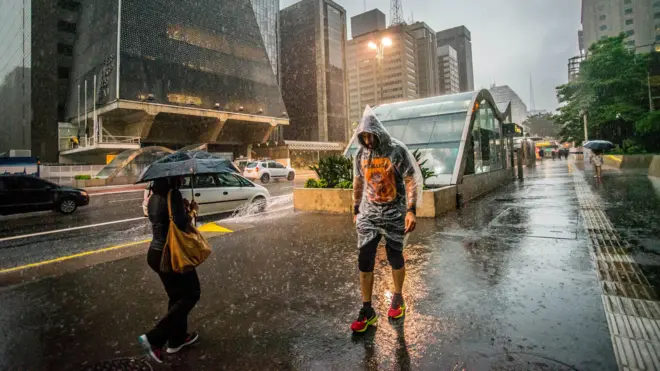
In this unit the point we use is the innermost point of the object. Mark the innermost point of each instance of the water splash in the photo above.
(276, 207)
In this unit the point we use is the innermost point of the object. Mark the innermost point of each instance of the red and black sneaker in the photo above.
(397, 308)
(154, 353)
(190, 340)
(366, 318)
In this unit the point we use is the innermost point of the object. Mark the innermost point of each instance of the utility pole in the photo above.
(586, 132)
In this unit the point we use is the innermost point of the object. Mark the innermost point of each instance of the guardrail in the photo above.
(67, 143)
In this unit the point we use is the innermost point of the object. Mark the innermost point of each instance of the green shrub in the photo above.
(345, 184)
(311, 183)
(83, 177)
(426, 172)
(332, 170)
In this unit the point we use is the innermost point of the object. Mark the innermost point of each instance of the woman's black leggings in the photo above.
(367, 256)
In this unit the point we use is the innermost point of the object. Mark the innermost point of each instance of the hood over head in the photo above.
(370, 124)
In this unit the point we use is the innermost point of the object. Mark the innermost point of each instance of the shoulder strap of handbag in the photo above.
(169, 204)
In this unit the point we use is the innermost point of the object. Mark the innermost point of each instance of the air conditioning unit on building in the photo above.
(20, 153)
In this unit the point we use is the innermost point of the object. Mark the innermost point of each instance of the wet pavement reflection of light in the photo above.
(505, 283)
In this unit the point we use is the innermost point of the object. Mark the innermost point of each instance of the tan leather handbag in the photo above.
(184, 250)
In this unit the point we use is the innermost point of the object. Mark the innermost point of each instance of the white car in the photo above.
(267, 170)
(220, 193)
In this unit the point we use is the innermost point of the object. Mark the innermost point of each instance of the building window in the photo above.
(630, 32)
(628, 11)
(629, 22)
(603, 27)
(66, 26)
(602, 17)
(627, 1)
(657, 37)
(656, 4)
(601, 8)
(64, 49)
(656, 16)
(72, 5)
(63, 72)
(630, 43)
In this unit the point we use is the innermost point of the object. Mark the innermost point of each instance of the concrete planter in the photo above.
(476, 185)
(628, 161)
(80, 183)
(654, 167)
(340, 201)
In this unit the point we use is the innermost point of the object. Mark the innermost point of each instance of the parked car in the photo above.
(219, 193)
(267, 170)
(241, 163)
(25, 193)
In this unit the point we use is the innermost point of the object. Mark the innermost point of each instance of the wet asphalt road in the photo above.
(123, 210)
(506, 283)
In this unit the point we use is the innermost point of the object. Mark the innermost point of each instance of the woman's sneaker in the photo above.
(366, 318)
(190, 340)
(155, 353)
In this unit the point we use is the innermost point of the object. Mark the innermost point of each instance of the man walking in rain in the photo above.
(387, 181)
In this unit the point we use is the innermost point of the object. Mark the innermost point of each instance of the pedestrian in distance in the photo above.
(553, 153)
(541, 153)
(183, 289)
(387, 182)
(597, 160)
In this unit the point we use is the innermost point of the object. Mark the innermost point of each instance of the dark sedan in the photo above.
(24, 193)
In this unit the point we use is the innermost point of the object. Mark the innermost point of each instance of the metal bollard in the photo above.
(520, 163)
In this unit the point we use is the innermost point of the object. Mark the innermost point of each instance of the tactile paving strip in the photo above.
(631, 305)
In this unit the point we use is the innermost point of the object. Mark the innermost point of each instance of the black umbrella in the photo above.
(599, 145)
(183, 163)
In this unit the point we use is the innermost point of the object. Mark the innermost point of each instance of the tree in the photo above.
(612, 84)
(542, 125)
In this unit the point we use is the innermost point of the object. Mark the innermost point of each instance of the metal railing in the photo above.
(67, 143)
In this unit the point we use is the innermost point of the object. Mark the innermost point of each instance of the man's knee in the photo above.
(367, 260)
(395, 257)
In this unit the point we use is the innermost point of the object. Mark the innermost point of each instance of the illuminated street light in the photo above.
(372, 45)
(387, 41)
(380, 55)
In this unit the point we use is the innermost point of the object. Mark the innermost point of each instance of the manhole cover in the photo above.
(124, 364)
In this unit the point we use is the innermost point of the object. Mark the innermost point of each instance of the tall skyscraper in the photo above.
(372, 81)
(447, 70)
(373, 20)
(638, 19)
(313, 65)
(504, 95)
(460, 39)
(427, 59)
(267, 13)
(32, 84)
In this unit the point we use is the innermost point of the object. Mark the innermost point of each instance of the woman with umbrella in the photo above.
(596, 159)
(183, 289)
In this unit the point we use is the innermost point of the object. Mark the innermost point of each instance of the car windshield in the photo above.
(252, 165)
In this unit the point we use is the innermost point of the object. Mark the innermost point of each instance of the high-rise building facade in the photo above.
(35, 65)
(267, 13)
(372, 81)
(447, 65)
(460, 39)
(373, 20)
(638, 19)
(427, 59)
(313, 66)
(504, 95)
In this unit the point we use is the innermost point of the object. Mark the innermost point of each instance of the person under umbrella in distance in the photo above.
(387, 182)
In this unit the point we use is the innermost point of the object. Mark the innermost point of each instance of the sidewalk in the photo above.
(508, 283)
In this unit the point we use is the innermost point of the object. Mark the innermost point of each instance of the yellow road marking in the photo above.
(215, 228)
(69, 257)
(616, 158)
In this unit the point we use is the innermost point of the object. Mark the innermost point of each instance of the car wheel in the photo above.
(291, 176)
(260, 204)
(67, 206)
(265, 179)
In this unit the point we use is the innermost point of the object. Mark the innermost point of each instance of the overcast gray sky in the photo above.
(511, 39)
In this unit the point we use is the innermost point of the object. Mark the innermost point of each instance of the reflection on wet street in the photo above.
(506, 283)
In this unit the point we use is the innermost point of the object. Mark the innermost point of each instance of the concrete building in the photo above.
(504, 95)
(372, 81)
(638, 19)
(427, 59)
(574, 67)
(460, 39)
(373, 20)
(33, 85)
(313, 50)
(448, 75)
(171, 76)
(267, 13)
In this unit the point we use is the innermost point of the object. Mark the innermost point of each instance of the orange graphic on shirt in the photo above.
(379, 179)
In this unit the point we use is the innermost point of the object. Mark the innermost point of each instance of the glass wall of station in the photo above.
(436, 127)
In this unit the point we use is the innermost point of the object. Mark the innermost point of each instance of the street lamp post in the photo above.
(380, 55)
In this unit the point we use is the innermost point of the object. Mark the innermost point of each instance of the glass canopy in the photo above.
(440, 127)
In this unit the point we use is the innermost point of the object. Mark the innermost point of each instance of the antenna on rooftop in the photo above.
(396, 12)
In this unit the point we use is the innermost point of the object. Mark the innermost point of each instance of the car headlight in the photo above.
(84, 194)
